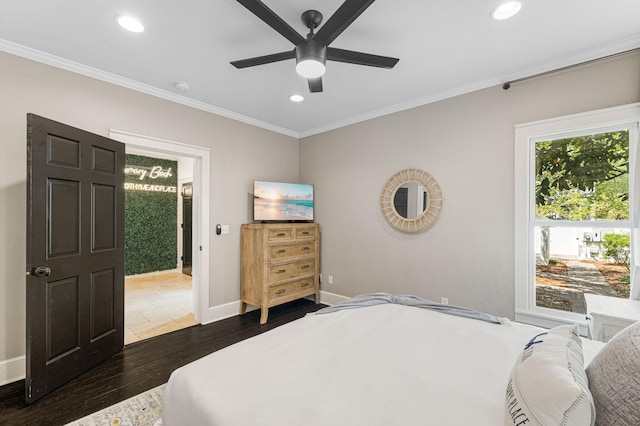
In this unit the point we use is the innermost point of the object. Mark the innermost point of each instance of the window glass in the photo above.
(572, 261)
(583, 178)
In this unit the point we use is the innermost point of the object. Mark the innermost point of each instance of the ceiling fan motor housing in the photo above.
(311, 49)
(310, 59)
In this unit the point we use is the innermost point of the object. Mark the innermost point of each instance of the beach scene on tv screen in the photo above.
(282, 201)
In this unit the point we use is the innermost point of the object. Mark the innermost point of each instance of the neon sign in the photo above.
(143, 172)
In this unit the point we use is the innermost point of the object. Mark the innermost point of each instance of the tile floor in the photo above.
(156, 304)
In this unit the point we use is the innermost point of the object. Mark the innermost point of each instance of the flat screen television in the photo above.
(282, 202)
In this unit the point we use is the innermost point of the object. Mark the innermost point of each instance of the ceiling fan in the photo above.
(312, 52)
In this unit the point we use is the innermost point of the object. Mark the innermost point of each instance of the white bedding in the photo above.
(380, 365)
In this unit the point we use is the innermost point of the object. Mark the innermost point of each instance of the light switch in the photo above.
(225, 229)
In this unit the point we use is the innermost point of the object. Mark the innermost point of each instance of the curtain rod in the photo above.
(508, 84)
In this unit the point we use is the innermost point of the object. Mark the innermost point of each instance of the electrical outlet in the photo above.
(444, 300)
(330, 280)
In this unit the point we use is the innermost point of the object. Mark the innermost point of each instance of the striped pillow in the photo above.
(548, 384)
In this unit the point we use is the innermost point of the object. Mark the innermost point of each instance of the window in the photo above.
(576, 213)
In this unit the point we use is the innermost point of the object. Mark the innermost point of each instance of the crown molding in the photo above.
(75, 67)
(593, 53)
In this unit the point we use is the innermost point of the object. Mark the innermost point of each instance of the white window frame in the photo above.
(526, 135)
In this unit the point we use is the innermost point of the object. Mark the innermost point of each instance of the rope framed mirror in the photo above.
(411, 201)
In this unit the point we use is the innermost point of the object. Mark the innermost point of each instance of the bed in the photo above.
(386, 364)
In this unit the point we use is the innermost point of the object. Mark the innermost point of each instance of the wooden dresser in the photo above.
(279, 263)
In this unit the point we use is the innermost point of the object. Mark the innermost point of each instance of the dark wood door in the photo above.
(75, 253)
(187, 228)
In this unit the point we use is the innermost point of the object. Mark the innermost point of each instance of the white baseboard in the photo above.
(331, 298)
(12, 370)
(231, 309)
(220, 312)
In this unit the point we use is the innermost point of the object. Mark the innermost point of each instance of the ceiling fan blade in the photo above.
(315, 85)
(341, 19)
(261, 60)
(359, 58)
(274, 21)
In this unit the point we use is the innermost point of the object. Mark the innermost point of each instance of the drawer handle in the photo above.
(305, 267)
(280, 234)
(304, 285)
(306, 248)
(281, 271)
(281, 251)
(282, 290)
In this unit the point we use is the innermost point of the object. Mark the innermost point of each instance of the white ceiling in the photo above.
(445, 48)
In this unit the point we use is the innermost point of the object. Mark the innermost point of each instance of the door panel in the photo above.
(102, 303)
(104, 160)
(104, 211)
(75, 253)
(62, 321)
(63, 152)
(63, 211)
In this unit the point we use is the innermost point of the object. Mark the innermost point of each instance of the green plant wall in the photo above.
(151, 209)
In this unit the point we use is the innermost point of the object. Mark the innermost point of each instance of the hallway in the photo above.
(157, 304)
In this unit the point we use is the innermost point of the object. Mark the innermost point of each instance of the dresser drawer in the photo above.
(284, 251)
(292, 290)
(280, 234)
(307, 232)
(291, 270)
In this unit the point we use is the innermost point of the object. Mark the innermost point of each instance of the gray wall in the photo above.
(467, 144)
(239, 154)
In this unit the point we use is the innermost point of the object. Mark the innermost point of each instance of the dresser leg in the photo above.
(317, 298)
(243, 308)
(264, 314)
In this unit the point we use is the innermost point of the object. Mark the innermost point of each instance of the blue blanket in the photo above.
(408, 300)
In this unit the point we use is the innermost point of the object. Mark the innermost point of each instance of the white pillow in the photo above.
(548, 385)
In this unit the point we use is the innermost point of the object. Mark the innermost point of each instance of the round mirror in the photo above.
(411, 200)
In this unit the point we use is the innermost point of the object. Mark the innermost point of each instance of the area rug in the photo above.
(143, 409)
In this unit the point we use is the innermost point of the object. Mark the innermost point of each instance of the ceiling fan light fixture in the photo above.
(310, 59)
(506, 10)
(310, 68)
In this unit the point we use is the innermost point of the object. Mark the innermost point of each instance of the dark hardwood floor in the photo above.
(139, 367)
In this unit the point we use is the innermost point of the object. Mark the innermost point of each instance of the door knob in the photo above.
(41, 271)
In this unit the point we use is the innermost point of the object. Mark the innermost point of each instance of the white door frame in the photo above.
(201, 191)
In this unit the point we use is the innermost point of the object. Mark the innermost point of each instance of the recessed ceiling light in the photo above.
(506, 10)
(296, 98)
(130, 23)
